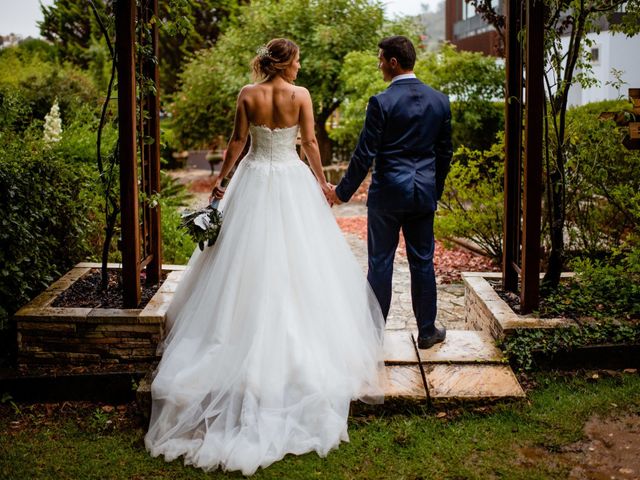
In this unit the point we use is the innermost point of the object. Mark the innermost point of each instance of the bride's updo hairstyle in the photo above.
(274, 58)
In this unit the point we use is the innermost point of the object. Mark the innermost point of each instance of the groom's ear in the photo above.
(393, 63)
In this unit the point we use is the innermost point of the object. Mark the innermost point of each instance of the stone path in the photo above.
(466, 367)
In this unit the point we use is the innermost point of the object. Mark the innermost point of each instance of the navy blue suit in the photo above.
(407, 139)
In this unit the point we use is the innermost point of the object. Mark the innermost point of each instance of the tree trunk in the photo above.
(556, 232)
(324, 142)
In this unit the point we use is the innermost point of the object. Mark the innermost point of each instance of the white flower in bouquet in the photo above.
(203, 221)
(53, 125)
(203, 225)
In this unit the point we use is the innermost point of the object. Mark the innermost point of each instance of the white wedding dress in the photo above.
(273, 330)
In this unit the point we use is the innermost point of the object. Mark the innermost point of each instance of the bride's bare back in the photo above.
(274, 103)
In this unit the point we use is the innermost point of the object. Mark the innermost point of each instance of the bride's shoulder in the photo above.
(304, 92)
(249, 88)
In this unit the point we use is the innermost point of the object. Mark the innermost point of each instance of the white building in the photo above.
(610, 52)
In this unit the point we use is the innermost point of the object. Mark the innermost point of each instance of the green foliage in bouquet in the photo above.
(203, 225)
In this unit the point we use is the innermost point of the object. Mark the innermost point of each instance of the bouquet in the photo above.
(203, 225)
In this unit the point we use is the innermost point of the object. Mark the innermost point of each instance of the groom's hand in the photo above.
(332, 197)
(326, 190)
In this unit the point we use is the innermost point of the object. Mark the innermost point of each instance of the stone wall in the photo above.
(486, 311)
(80, 336)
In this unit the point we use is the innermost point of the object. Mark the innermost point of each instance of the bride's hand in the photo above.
(329, 193)
(218, 190)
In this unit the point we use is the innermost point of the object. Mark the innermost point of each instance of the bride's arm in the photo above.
(309, 142)
(235, 146)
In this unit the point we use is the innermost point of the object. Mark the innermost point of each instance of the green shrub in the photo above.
(472, 203)
(603, 183)
(46, 207)
(32, 84)
(177, 245)
(602, 288)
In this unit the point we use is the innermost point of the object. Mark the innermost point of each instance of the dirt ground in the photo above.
(609, 451)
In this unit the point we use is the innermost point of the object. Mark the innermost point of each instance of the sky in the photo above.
(20, 16)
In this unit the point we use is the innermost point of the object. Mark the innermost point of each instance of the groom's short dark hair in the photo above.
(401, 48)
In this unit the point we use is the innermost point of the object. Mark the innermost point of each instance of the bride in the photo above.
(274, 329)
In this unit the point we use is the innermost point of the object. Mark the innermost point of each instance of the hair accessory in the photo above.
(263, 51)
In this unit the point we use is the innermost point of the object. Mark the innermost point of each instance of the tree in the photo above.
(186, 27)
(202, 22)
(565, 66)
(68, 25)
(325, 30)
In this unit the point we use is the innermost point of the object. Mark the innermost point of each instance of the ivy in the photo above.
(521, 346)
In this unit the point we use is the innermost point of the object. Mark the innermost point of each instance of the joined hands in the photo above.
(329, 191)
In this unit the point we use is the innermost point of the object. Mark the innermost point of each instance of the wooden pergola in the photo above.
(139, 133)
(139, 143)
(523, 149)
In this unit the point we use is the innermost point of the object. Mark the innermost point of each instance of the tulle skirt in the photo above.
(272, 331)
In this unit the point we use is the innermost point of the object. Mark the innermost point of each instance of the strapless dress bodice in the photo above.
(275, 146)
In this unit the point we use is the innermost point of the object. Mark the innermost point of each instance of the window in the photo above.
(468, 11)
(595, 55)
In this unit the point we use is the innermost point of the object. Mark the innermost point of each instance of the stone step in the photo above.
(459, 383)
(467, 366)
(460, 346)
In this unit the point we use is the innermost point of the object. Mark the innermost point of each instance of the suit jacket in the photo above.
(407, 139)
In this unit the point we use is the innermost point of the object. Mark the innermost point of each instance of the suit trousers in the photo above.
(383, 234)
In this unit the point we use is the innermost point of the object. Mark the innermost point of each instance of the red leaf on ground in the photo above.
(448, 262)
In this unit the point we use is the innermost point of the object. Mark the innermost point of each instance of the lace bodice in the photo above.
(275, 147)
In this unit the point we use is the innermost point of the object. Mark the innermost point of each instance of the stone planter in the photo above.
(485, 310)
(82, 336)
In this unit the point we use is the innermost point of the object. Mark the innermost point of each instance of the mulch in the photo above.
(86, 292)
(448, 262)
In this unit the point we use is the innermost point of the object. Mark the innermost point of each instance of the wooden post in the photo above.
(532, 196)
(154, 268)
(513, 148)
(125, 41)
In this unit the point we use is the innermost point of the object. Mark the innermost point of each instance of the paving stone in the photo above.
(471, 382)
(399, 348)
(69, 278)
(171, 282)
(462, 346)
(52, 314)
(158, 305)
(113, 315)
(404, 382)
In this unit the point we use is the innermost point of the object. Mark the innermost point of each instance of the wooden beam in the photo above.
(532, 195)
(125, 41)
(513, 148)
(154, 269)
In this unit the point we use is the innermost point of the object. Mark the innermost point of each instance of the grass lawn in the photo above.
(543, 437)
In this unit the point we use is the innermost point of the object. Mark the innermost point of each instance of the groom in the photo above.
(407, 139)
